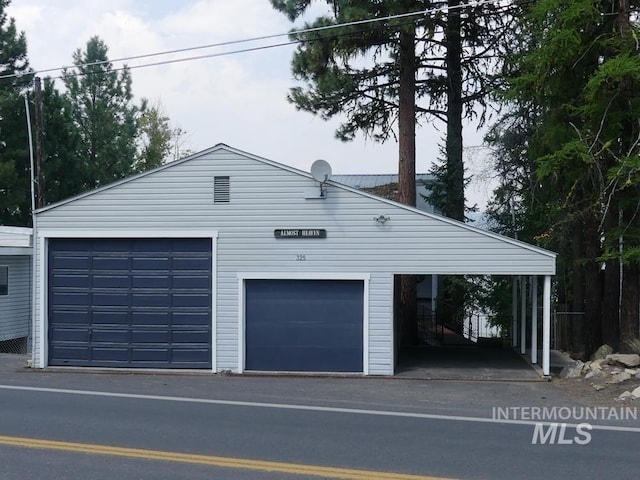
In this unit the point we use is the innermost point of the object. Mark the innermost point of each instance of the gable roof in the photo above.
(331, 182)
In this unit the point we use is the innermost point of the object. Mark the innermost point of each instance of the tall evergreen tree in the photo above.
(14, 141)
(63, 170)
(574, 83)
(104, 115)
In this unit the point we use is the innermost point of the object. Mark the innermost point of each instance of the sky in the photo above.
(239, 99)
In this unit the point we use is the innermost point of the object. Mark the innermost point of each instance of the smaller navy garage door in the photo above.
(304, 325)
(130, 302)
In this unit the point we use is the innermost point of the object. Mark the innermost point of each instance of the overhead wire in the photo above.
(432, 11)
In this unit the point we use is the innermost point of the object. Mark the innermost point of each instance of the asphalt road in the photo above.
(141, 426)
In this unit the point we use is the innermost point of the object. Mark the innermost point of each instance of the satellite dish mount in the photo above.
(321, 172)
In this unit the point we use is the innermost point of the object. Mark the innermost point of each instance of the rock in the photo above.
(619, 377)
(626, 359)
(636, 393)
(602, 352)
(599, 387)
(572, 370)
(594, 374)
(595, 365)
(631, 371)
(625, 395)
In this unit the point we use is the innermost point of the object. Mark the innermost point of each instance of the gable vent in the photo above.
(221, 191)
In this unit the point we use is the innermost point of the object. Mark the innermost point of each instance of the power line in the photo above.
(431, 11)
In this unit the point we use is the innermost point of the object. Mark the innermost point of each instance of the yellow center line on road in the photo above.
(215, 461)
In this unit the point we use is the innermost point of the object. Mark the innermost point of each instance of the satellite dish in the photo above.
(321, 170)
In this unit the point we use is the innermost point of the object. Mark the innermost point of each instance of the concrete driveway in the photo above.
(465, 363)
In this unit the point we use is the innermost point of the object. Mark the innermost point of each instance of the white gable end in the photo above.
(266, 196)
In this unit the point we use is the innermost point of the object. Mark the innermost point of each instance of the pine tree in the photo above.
(573, 81)
(14, 141)
(104, 115)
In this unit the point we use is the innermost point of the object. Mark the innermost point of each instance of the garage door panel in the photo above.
(139, 319)
(190, 318)
(191, 281)
(155, 355)
(81, 335)
(113, 355)
(64, 298)
(110, 281)
(74, 355)
(192, 264)
(71, 263)
(159, 263)
(73, 281)
(111, 263)
(150, 300)
(110, 299)
(151, 281)
(110, 336)
(110, 318)
(304, 325)
(151, 336)
(194, 300)
(191, 336)
(71, 317)
(189, 356)
(129, 312)
(324, 359)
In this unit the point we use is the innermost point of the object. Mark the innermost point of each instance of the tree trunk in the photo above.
(630, 304)
(454, 291)
(630, 311)
(407, 169)
(612, 292)
(575, 333)
(593, 292)
(455, 164)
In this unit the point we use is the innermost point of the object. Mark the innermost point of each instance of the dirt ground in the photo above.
(583, 391)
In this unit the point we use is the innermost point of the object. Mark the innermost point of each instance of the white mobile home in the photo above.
(15, 285)
(228, 261)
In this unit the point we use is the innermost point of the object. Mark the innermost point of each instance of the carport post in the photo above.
(514, 311)
(523, 313)
(534, 319)
(546, 324)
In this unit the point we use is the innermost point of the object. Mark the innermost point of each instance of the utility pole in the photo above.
(39, 142)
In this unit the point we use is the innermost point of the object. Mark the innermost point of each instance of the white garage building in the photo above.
(228, 261)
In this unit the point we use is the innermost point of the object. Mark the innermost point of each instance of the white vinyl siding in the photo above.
(268, 196)
(15, 307)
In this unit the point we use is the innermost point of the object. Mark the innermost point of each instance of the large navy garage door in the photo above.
(304, 325)
(130, 302)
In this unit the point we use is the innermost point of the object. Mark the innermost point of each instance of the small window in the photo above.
(4, 280)
(221, 190)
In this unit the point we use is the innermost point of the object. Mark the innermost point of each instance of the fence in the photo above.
(477, 326)
(16, 345)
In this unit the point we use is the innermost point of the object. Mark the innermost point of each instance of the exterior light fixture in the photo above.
(382, 219)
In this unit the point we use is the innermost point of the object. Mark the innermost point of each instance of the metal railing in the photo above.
(430, 331)
(477, 325)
